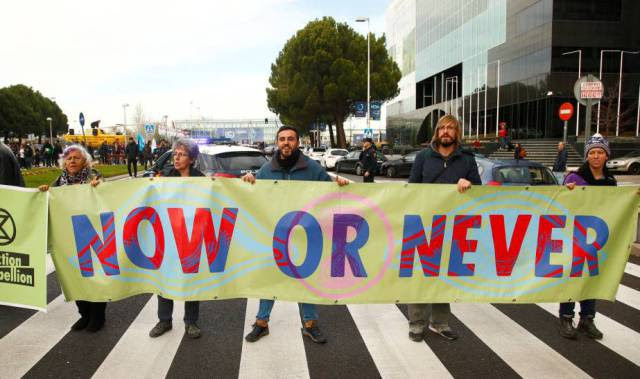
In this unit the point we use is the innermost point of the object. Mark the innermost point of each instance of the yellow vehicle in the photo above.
(94, 137)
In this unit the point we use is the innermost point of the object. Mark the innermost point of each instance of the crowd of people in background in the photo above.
(45, 154)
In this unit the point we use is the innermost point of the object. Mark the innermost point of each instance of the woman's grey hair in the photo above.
(189, 146)
(75, 147)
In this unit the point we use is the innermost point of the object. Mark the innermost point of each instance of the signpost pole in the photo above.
(564, 138)
(587, 127)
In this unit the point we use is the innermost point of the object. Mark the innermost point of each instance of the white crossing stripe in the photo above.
(136, 355)
(384, 330)
(29, 342)
(281, 354)
(50, 267)
(628, 296)
(521, 350)
(632, 269)
(617, 337)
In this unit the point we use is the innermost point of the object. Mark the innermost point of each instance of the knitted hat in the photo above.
(597, 140)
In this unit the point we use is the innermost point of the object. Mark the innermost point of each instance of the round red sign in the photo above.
(566, 111)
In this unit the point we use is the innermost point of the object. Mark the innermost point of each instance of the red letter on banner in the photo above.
(506, 256)
(190, 249)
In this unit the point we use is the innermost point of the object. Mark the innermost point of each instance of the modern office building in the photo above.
(245, 131)
(516, 61)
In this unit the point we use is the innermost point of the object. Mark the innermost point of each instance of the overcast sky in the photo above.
(176, 58)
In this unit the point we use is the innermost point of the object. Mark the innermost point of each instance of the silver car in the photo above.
(629, 163)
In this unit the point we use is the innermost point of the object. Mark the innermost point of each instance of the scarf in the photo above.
(79, 178)
(585, 172)
(288, 162)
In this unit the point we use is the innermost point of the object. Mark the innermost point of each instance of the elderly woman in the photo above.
(76, 169)
(592, 173)
(185, 153)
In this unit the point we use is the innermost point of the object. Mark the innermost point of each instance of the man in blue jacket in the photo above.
(444, 162)
(288, 163)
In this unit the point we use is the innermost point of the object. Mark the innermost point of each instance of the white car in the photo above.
(316, 153)
(331, 156)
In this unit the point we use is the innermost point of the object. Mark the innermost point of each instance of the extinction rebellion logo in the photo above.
(14, 267)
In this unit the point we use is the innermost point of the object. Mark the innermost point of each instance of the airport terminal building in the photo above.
(488, 61)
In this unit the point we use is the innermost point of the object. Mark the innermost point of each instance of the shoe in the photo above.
(587, 326)
(311, 330)
(444, 332)
(257, 332)
(95, 325)
(161, 328)
(566, 329)
(82, 323)
(192, 331)
(416, 337)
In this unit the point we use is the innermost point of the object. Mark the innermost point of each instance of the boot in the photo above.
(587, 326)
(566, 328)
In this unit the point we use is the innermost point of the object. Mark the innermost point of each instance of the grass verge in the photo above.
(46, 175)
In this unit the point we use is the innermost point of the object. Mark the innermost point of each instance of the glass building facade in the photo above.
(488, 61)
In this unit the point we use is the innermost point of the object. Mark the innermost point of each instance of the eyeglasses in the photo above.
(180, 155)
(447, 127)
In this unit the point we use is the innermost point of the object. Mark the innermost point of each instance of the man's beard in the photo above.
(447, 143)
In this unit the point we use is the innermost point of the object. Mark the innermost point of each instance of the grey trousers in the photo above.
(165, 310)
(420, 315)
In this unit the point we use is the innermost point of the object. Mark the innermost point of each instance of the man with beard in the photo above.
(443, 162)
(288, 163)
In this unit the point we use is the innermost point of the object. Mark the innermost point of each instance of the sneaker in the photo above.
(444, 331)
(95, 325)
(257, 332)
(161, 328)
(587, 326)
(82, 323)
(416, 337)
(566, 329)
(192, 331)
(311, 330)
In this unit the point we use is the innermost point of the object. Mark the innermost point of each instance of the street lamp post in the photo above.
(620, 88)
(50, 130)
(579, 51)
(124, 111)
(366, 19)
(600, 77)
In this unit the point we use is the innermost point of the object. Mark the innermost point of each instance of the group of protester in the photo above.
(443, 162)
(36, 154)
(131, 153)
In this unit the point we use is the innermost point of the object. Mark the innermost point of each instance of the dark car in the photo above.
(350, 163)
(399, 167)
(217, 160)
(513, 172)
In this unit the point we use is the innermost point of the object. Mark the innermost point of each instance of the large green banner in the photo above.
(23, 247)
(202, 239)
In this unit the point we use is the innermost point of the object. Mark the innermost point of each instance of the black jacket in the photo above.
(560, 164)
(369, 161)
(431, 167)
(192, 172)
(9, 168)
(132, 151)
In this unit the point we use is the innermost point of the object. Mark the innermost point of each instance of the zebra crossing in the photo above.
(498, 340)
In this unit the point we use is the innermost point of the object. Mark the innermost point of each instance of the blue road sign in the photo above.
(149, 128)
(81, 119)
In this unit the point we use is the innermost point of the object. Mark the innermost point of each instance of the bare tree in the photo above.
(139, 118)
(609, 113)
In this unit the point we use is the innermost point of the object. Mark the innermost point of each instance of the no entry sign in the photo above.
(566, 111)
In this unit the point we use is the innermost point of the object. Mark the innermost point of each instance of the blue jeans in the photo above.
(307, 311)
(587, 309)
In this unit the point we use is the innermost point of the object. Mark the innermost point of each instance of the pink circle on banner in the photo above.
(389, 230)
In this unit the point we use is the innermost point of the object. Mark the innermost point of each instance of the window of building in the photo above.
(587, 10)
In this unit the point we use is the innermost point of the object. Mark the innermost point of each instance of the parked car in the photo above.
(316, 153)
(350, 163)
(217, 160)
(399, 167)
(330, 157)
(628, 163)
(513, 172)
